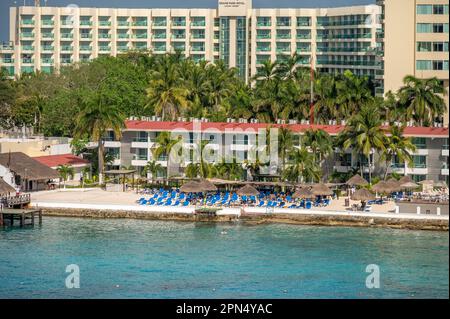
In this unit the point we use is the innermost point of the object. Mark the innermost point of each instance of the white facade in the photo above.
(332, 40)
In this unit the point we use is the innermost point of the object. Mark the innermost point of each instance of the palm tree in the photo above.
(288, 68)
(352, 91)
(325, 98)
(66, 172)
(95, 118)
(364, 134)
(422, 100)
(397, 146)
(230, 171)
(154, 168)
(166, 93)
(320, 143)
(164, 143)
(267, 72)
(285, 144)
(302, 167)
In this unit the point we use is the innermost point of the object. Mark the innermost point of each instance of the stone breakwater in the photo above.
(260, 218)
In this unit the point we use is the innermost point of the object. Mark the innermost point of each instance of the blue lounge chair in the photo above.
(308, 205)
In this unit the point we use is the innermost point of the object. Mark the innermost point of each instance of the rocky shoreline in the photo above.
(255, 219)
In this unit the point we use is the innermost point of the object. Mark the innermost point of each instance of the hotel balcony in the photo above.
(421, 151)
(139, 162)
(445, 151)
(112, 144)
(416, 170)
(444, 171)
(142, 144)
(342, 168)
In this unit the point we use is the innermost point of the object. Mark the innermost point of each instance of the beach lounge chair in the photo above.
(261, 203)
(308, 205)
(176, 203)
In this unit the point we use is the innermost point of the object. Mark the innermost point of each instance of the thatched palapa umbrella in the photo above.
(405, 179)
(207, 186)
(409, 185)
(191, 187)
(357, 180)
(247, 190)
(303, 192)
(393, 184)
(382, 187)
(363, 195)
(321, 190)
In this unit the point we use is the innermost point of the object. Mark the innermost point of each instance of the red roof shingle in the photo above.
(135, 125)
(64, 159)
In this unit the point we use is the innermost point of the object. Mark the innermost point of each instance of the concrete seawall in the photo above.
(438, 224)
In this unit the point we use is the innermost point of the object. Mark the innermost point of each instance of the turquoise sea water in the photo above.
(151, 259)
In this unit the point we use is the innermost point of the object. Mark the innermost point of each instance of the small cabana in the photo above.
(122, 173)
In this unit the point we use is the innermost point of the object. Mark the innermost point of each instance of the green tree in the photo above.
(302, 167)
(167, 94)
(96, 117)
(422, 99)
(154, 168)
(364, 134)
(397, 146)
(65, 172)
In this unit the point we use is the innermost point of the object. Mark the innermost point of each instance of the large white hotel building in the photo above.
(332, 40)
(385, 41)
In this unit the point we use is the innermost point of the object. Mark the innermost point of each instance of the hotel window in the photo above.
(440, 28)
(159, 21)
(440, 9)
(423, 65)
(419, 161)
(419, 142)
(424, 28)
(263, 21)
(303, 21)
(179, 46)
(440, 46)
(283, 21)
(216, 22)
(424, 9)
(440, 65)
(178, 21)
(198, 34)
(418, 178)
(142, 154)
(198, 21)
(424, 46)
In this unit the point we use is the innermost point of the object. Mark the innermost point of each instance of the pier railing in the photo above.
(11, 201)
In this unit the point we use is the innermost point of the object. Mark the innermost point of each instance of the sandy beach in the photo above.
(102, 204)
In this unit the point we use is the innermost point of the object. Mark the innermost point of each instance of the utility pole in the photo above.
(311, 106)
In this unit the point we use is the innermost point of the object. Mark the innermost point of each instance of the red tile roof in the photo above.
(64, 159)
(222, 127)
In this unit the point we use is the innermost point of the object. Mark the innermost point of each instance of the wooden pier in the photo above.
(23, 216)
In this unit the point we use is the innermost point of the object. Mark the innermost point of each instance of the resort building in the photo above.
(79, 165)
(415, 41)
(25, 173)
(238, 138)
(328, 39)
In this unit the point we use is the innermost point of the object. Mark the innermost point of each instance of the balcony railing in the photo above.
(104, 23)
(27, 35)
(47, 48)
(27, 22)
(85, 36)
(104, 36)
(85, 48)
(85, 23)
(7, 60)
(27, 61)
(48, 22)
(67, 48)
(66, 35)
(123, 36)
(48, 35)
(47, 61)
(139, 23)
(27, 48)
(121, 23)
